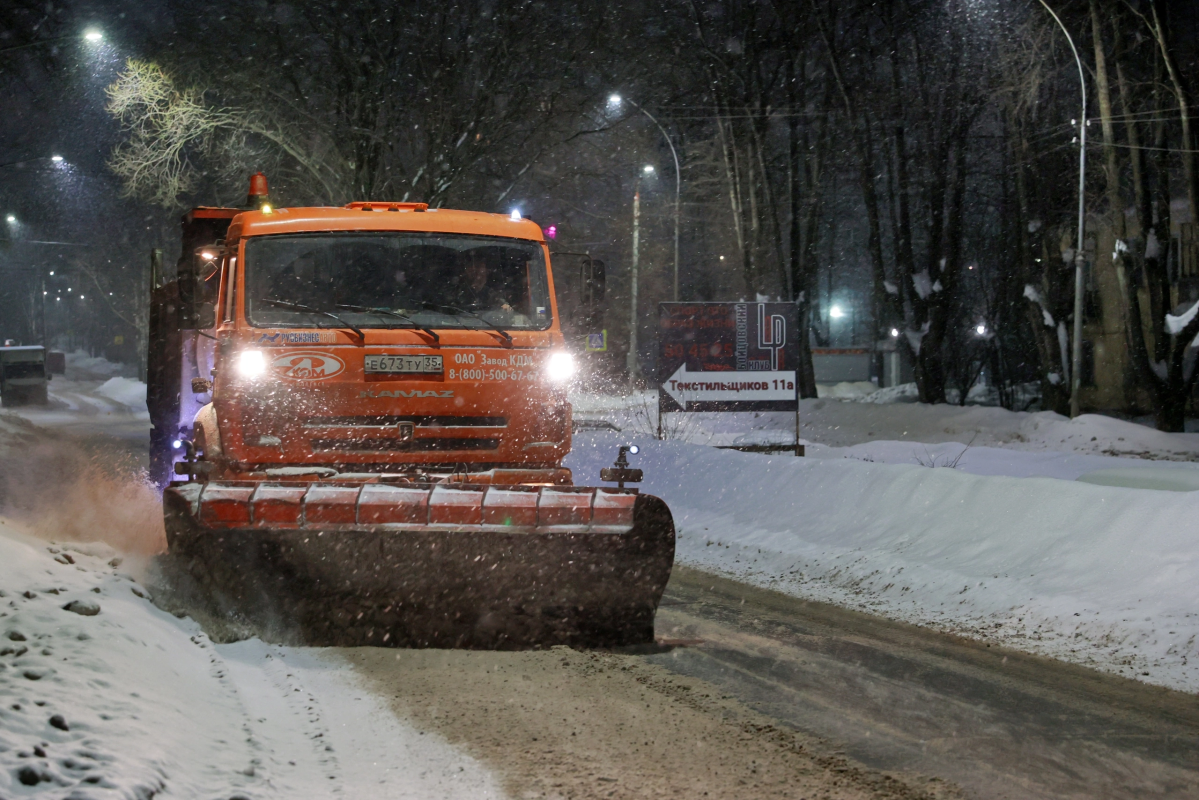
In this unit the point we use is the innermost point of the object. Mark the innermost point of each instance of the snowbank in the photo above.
(1160, 478)
(846, 390)
(1102, 576)
(846, 424)
(1004, 460)
(81, 366)
(103, 695)
(125, 391)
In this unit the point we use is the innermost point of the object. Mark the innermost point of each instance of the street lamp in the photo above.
(631, 361)
(91, 35)
(57, 159)
(836, 312)
(1076, 350)
(615, 100)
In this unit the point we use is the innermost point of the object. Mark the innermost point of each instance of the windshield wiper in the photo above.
(311, 310)
(441, 309)
(390, 313)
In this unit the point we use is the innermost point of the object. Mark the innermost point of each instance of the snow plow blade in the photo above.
(508, 567)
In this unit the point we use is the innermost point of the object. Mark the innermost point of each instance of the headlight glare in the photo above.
(251, 363)
(560, 367)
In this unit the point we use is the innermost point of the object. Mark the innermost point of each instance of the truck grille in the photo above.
(391, 420)
(432, 443)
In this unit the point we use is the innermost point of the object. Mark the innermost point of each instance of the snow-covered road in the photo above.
(105, 695)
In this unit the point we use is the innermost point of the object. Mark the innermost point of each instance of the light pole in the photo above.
(1076, 350)
(632, 362)
(616, 100)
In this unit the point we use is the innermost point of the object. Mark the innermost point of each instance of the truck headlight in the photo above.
(251, 363)
(560, 367)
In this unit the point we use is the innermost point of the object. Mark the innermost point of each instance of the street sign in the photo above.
(598, 342)
(727, 356)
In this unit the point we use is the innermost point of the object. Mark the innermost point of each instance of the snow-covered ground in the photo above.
(94, 396)
(981, 439)
(131, 702)
(969, 520)
(103, 695)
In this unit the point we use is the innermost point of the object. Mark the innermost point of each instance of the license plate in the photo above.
(404, 365)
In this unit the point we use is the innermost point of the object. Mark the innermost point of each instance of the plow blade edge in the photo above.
(421, 566)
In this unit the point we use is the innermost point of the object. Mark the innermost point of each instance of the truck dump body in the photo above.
(23, 375)
(374, 436)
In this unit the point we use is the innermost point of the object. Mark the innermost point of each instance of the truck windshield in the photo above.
(395, 280)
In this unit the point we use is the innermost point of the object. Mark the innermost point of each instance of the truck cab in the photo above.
(374, 340)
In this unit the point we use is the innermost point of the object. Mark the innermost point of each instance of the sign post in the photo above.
(728, 357)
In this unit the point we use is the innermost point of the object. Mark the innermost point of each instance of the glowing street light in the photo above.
(648, 169)
(836, 312)
(895, 333)
(614, 101)
(57, 159)
(91, 35)
(981, 330)
(11, 218)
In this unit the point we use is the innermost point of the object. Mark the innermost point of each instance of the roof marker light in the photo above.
(515, 215)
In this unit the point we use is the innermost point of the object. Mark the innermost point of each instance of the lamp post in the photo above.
(1076, 350)
(633, 364)
(616, 100)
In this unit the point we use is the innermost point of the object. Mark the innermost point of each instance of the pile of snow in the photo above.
(903, 393)
(104, 695)
(846, 424)
(127, 392)
(1000, 460)
(1165, 479)
(1097, 575)
(846, 390)
(81, 366)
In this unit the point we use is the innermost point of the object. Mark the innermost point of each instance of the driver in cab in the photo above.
(473, 292)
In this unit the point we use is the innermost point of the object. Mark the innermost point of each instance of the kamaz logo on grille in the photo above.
(403, 393)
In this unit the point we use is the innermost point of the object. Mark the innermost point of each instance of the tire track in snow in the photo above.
(284, 720)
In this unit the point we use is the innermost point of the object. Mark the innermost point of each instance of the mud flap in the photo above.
(467, 567)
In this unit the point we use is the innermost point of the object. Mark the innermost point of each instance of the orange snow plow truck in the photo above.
(359, 420)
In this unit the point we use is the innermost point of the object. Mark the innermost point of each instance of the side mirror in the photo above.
(197, 288)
